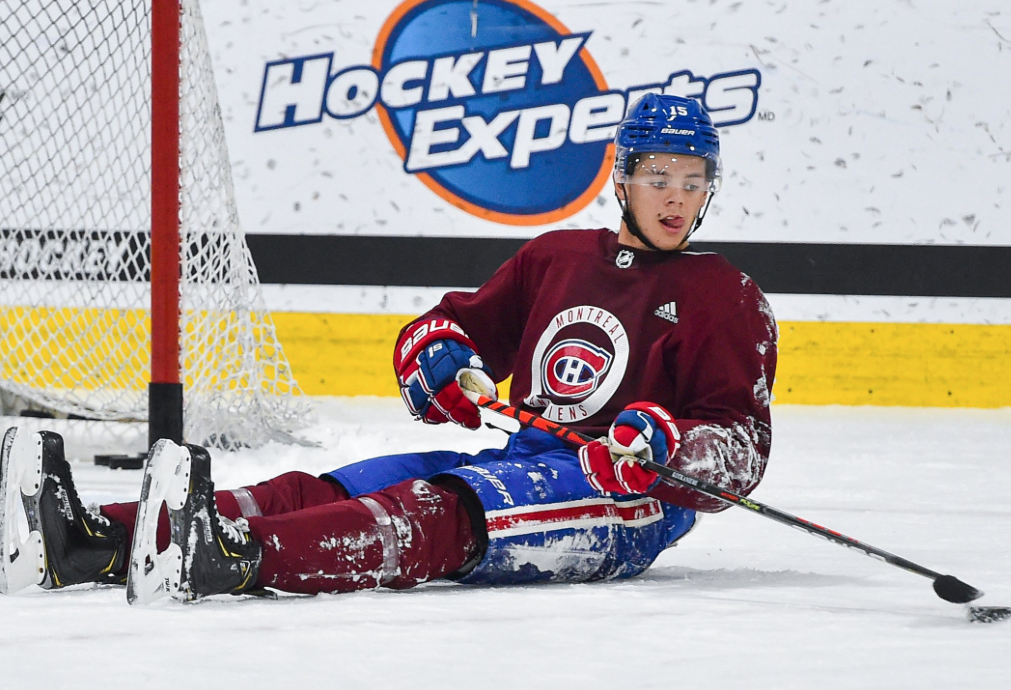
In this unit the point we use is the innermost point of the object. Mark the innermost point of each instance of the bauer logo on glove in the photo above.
(427, 374)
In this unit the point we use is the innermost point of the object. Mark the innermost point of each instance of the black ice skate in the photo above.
(209, 554)
(65, 543)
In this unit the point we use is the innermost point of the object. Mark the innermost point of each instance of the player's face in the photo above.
(665, 194)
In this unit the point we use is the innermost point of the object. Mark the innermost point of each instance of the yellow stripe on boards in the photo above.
(921, 365)
(819, 363)
(86, 349)
(341, 354)
(70, 348)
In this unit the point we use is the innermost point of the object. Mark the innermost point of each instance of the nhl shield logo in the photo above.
(574, 368)
(624, 259)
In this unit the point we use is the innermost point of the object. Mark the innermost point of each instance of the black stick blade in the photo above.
(950, 588)
(988, 614)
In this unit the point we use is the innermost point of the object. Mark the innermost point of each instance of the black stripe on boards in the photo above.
(367, 260)
(833, 269)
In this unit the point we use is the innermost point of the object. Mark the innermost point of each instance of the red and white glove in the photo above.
(642, 431)
(428, 357)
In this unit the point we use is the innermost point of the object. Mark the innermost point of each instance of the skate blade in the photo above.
(22, 560)
(153, 575)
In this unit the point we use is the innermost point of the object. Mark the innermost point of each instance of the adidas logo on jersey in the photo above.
(668, 311)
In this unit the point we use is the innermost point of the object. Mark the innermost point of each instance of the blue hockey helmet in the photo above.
(657, 123)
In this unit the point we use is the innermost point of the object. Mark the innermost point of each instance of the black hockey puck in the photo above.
(988, 614)
(121, 462)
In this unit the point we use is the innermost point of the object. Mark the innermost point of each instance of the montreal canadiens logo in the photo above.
(574, 368)
(570, 378)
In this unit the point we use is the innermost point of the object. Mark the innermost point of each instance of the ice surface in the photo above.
(741, 601)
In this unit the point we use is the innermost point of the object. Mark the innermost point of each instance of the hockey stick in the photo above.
(947, 587)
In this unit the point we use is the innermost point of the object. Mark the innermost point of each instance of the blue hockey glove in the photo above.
(428, 379)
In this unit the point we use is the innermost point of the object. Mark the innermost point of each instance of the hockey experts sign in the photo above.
(498, 108)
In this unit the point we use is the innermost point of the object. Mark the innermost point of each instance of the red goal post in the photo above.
(165, 391)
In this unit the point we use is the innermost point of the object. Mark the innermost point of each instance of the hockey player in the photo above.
(661, 352)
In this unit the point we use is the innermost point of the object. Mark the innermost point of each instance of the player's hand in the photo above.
(428, 379)
(642, 431)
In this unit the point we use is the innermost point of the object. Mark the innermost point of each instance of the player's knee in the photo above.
(434, 531)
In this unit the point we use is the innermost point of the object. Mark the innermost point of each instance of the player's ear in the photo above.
(619, 190)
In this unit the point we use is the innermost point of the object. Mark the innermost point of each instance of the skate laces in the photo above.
(237, 530)
(95, 514)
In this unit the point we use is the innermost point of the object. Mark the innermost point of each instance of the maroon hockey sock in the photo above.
(399, 537)
(126, 513)
(283, 494)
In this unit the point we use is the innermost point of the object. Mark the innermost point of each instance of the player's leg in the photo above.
(65, 543)
(283, 494)
(398, 537)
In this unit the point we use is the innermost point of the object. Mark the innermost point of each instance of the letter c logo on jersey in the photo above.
(496, 106)
(574, 368)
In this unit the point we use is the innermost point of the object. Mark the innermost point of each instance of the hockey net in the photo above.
(75, 218)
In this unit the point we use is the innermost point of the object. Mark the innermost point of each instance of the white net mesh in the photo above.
(75, 217)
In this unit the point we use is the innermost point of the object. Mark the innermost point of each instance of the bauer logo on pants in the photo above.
(497, 107)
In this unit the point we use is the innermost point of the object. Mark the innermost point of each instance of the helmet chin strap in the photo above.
(630, 223)
(633, 226)
(700, 217)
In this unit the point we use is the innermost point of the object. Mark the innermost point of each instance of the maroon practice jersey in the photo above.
(585, 326)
